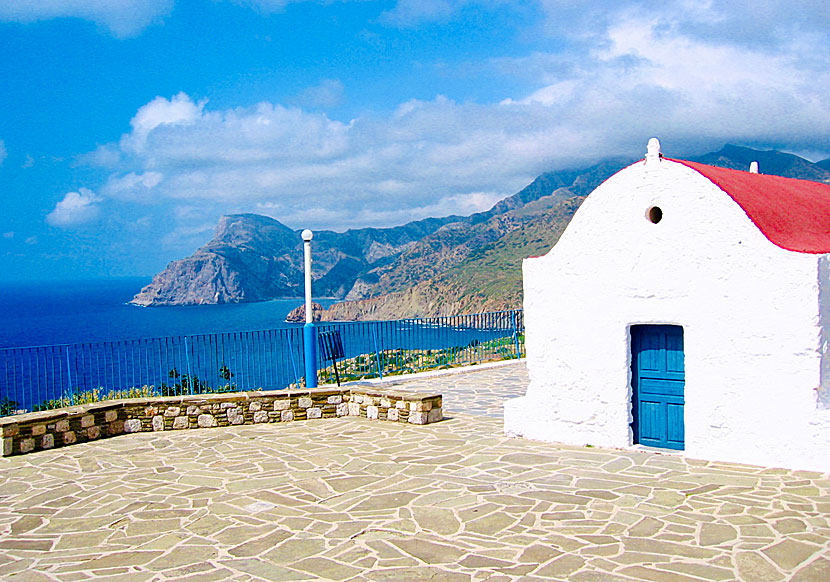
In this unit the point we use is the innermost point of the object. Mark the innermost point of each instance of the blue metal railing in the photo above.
(35, 378)
(379, 348)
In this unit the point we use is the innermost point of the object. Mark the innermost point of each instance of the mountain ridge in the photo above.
(434, 266)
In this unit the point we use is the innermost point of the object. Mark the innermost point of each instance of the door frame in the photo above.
(634, 386)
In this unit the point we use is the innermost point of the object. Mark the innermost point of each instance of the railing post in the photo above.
(189, 371)
(516, 335)
(377, 352)
(309, 333)
(293, 363)
(68, 370)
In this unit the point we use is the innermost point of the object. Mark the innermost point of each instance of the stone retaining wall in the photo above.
(49, 429)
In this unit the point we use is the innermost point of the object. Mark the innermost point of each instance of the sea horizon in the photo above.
(68, 311)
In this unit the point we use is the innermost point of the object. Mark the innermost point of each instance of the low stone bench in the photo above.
(35, 431)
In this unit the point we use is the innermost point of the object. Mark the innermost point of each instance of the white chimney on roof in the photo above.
(653, 154)
(753, 168)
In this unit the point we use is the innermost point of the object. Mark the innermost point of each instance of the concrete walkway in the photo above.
(353, 499)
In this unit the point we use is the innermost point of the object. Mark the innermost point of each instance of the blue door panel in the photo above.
(676, 433)
(658, 381)
(665, 388)
(674, 355)
(651, 429)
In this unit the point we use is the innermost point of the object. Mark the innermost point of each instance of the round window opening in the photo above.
(654, 214)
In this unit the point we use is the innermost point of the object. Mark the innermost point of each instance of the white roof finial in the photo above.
(653, 154)
(753, 168)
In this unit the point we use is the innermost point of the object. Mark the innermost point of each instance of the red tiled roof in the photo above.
(793, 214)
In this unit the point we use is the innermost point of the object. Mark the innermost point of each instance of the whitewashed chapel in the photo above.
(685, 307)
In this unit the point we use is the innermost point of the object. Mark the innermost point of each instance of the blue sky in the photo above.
(128, 127)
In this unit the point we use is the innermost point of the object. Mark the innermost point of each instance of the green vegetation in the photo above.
(95, 395)
(495, 270)
(402, 361)
(7, 406)
(181, 385)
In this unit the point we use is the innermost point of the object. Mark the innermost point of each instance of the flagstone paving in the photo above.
(360, 500)
(479, 390)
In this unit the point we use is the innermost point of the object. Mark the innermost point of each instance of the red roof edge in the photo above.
(792, 214)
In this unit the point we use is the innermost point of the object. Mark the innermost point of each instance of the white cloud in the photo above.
(132, 186)
(123, 18)
(437, 157)
(327, 94)
(3, 153)
(624, 75)
(75, 209)
(8, 235)
(178, 110)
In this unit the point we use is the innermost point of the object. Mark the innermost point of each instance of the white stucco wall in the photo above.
(749, 310)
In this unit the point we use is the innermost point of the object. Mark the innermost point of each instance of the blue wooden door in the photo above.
(658, 378)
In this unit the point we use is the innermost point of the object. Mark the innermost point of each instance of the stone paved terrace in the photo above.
(354, 499)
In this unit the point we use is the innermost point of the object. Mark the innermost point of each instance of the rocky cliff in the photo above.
(257, 258)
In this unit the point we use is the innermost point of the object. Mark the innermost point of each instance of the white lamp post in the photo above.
(309, 332)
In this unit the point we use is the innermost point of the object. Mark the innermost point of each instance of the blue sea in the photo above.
(48, 313)
(81, 336)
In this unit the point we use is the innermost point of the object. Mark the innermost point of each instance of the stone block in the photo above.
(255, 406)
(368, 401)
(172, 411)
(260, 416)
(8, 446)
(342, 409)
(132, 425)
(420, 406)
(372, 412)
(62, 425)
(435, 415)
(111, 416)
(314, 412)
(116, 427)
(151, 411)
(48, 441)
(235, 416)
(354, 409)
(193, 410)
(286, 415)
(11, 430)
(392, 414)
(206, 421)
(87, 420)
(38, 429)
(336, 399)
(282, 404)
(69, 437)
(226, 405)
(93, 432)
(158, 422)
(357, 398)
(418, 417)
(400, 404)
(181, 422)
(304, 402)
(385, 403)
(27, 445)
